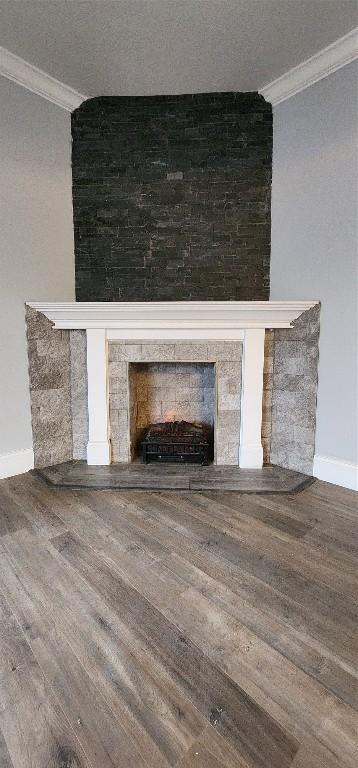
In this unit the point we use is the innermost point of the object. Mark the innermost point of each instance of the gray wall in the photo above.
(314, 237)
(36, 238)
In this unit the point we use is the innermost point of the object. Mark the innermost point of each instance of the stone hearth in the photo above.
(184, 477)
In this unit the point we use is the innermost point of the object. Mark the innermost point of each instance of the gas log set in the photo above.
(177, 441)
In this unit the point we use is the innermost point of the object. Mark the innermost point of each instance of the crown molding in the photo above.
(35, 80)
(325, 62)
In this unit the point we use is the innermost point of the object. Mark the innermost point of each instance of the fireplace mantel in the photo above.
(187, 320)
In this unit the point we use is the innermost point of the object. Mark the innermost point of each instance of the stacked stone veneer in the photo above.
(294, 393)
(50, 390)
(227, 359)
(78, 380)
(267, 396)
(171, 197)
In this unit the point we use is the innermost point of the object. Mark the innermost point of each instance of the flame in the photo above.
(169, 416)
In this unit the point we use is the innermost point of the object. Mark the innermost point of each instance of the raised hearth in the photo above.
(78, 474)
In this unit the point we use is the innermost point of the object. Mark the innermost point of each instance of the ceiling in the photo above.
(137, 47)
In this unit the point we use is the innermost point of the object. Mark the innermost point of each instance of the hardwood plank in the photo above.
(146, 576)
(250, 509)
(145, 704)
(314, 704)
(5, 759)
(269, 560)
(242, 721)
(312, 754)
(177, 630)
(310, 561)
(294, 644)
(323, 624)
(187, 616)
(15, 651)
(11, 516)
(106, 743)
(337, 542)
(36, 508)
(34, 729)
(302, 701)
(211, 751)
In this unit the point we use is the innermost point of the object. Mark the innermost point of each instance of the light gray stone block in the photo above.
(117, 369)
(195, 379)
(123, 419)
(289, 382)
(224, 350)
(228, 385)
(229, 423)
(294, 393)
(190, 394)
(118, 400)
(49, 374)
(196, 352)
(162, 352)
(119, 352)
(228, 454)
(79, 412)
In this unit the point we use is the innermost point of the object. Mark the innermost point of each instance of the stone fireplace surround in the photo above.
(229, 334)
(226, 357)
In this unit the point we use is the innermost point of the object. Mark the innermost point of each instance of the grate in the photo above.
(177, 441)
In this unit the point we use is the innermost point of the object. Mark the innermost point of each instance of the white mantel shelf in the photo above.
(173, 319)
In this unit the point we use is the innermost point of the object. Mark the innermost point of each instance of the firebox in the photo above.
(177, 441)
(172, 408)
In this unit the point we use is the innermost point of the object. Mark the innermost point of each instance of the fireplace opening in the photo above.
(172, 412)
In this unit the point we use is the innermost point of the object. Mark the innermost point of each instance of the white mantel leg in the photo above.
(250, 451)
(98, 447)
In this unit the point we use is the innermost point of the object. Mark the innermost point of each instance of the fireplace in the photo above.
(226, 337)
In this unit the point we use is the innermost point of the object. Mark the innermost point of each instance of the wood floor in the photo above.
(196, 630)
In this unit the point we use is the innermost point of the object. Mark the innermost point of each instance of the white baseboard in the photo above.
(336, 471)
(16, 462)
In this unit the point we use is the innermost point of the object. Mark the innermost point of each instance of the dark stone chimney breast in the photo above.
(171, 197)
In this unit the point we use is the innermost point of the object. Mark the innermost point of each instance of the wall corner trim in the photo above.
(37, 81)
(16, 462)
(343, 51)
(333, 470)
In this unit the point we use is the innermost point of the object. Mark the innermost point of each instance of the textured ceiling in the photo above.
(137, 47)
